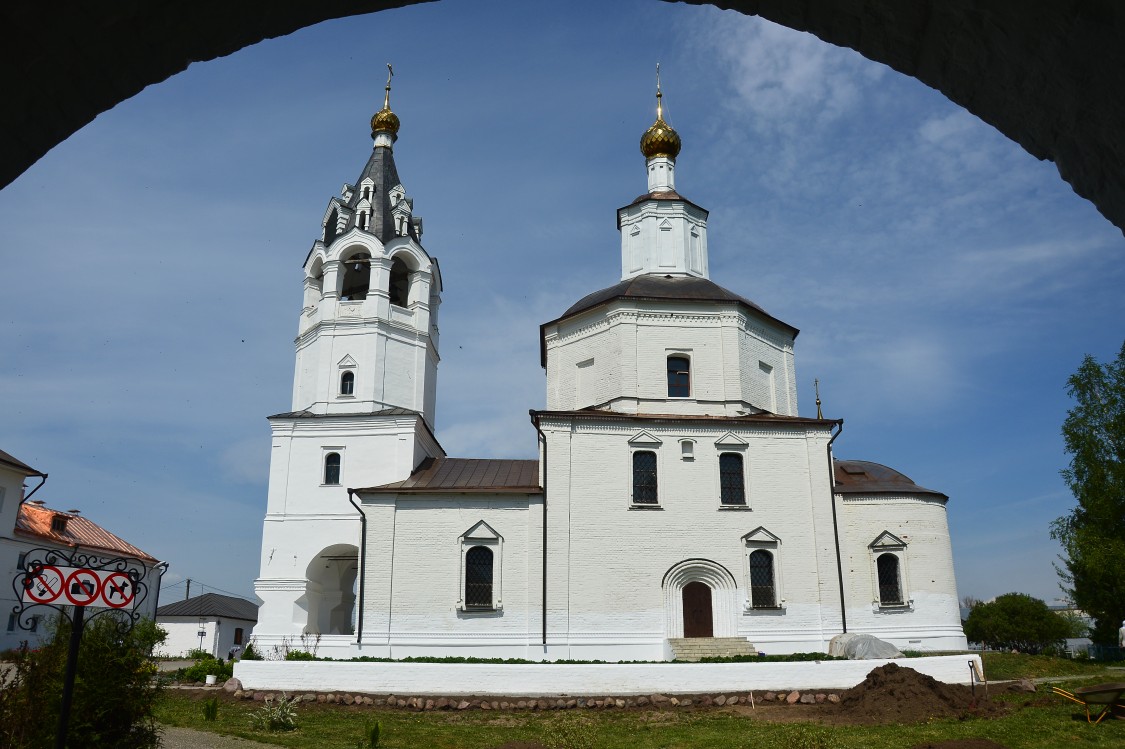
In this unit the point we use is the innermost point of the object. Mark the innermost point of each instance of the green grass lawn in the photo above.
(1039, 721)
(1019, 666)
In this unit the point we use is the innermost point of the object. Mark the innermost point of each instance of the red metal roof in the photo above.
(35, 521)
(865, 477)
(468, 476)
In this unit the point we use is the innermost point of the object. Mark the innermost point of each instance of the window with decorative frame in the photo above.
(481, 566)
(889, 570)
(763, 573)
(347, 383)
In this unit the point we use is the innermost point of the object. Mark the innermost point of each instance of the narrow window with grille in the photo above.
(347, 383)
(332, 469)
(644, 477)
(478, 578)
(763, 594)
(890, 587)
(732, 485)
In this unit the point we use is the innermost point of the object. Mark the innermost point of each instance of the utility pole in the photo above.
(187, 594)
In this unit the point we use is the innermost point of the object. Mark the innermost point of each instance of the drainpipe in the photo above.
(835, 524)
(42, 480)
(362, 566)
(543, 438)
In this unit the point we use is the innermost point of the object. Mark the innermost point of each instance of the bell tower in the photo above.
(364, 390)
(368, 338)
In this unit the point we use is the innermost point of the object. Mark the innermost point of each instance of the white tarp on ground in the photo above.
(563, 679)
(861, 647)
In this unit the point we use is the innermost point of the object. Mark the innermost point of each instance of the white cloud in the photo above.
(783, 78)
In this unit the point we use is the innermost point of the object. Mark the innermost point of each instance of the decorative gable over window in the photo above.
(730, 441)
(887, 541)
(644, 437)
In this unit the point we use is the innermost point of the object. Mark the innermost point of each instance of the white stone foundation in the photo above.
(560, 680)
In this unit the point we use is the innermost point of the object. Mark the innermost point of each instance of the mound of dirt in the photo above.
(892, 693)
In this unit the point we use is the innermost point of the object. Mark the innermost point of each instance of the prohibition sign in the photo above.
(82, 587)
(117, 590)
(45, 585)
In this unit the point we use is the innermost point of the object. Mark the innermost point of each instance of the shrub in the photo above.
(250, 654)
(299, 655)
(115, 693)
(205, 667)
(275, 715)
(198, 654)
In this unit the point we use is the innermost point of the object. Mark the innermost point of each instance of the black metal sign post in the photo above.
(72, 582)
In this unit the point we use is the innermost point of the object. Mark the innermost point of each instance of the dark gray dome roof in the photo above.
(673, 288)
(865, 477)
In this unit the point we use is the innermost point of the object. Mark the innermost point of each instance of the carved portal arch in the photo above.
(724, 609)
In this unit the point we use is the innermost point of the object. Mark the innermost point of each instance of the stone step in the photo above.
(695, 648)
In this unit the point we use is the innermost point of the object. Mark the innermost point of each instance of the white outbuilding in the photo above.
(679, 500)
(211, 622)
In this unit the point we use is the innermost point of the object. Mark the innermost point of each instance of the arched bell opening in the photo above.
(357, 277)
(399, 288)
(330, 591)
(314, 283)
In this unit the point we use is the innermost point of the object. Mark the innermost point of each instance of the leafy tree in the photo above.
(1093, 533)
(115, 691)
(1018, 621)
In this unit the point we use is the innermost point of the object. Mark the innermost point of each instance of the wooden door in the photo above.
(697, 610)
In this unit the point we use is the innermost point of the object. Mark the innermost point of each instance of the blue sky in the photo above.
(945, 282)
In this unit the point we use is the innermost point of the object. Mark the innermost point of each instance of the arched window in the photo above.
(890, 586)
(679, 377)
(357, 278)
(644, 477)
(478, 578)
(347, 383)
(763, 593)
(732, 486)
(332, 469)
(400, 283)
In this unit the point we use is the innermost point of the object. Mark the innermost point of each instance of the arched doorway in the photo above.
(699, 600)
(330, 591)
(698, 619)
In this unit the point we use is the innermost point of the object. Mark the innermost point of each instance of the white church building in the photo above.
(677, 494)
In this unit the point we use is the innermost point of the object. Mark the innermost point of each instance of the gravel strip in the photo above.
(186, 738)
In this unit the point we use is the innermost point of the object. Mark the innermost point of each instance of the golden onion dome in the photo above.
(386, 121)
(660, 139)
